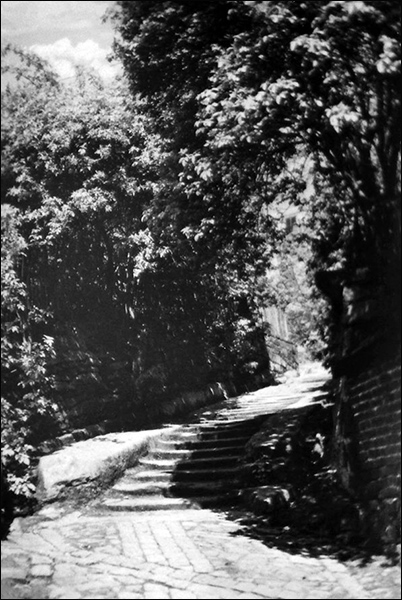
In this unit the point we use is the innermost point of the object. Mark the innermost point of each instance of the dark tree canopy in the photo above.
(272, 85)
(269, 80)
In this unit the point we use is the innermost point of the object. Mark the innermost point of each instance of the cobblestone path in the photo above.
(176, 553)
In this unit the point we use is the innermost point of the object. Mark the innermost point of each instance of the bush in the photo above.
(26, 407)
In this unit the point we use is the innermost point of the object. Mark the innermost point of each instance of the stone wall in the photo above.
(282, 354)
(95, 393)
(85, 424)
(282, 351)
(366, 366)
(87, 382)
(369, 446)
(92, 426)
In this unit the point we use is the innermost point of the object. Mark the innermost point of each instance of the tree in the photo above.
(321, 78)
(105, 222)
(77, 172)
(169, 52)
(74, 160)
(26, 384)
(284, 81)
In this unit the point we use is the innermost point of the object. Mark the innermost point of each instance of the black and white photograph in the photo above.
(200, 299)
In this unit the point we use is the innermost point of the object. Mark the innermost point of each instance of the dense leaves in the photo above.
(26, 402)
(77, 171)
(283, 83)
(168, 52)
(96, 245)
(321, 78)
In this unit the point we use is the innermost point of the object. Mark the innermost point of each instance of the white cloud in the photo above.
(64, 56)
(27, 22)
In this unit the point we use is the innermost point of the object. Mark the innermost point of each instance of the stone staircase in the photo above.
(199, 464)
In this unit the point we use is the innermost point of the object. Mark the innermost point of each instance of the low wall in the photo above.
(95, 394)
(89, 466)
(167, 410)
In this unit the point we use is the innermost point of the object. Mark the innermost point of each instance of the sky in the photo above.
(66, 33)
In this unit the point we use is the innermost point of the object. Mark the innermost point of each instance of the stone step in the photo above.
(218, 451)
(197, 443)
(150, 462)
(164, 453)
(233, 422)
(145, 503)
(164, 482)
(225, 427)
(206, 463)
(182, 436)
(158, 503)
(220, 433)
(221, 487)
(151, 475)
(206, 494)
(173, 464)
(243, 414)
(189, 454)
(137, 488)
(211, 474)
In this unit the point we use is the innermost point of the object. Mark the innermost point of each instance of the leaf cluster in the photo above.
(248, 90)
(26, 402)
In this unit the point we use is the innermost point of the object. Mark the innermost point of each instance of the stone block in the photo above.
(41, 570)
(8, 589)
(14, 566)
(98, 459)
(268, 498)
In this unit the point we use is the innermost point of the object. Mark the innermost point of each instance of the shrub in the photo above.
(26, 407)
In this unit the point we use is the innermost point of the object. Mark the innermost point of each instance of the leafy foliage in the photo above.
(76, 170)
(322, 79)
(281, 82)
(26, 403)
(99, 244)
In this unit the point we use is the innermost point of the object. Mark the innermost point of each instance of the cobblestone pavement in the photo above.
(171, 554)
(195, 553)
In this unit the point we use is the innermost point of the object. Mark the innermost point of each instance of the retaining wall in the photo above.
(368, 419)
(369, 443)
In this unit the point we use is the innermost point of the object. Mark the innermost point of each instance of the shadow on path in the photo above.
(291, 540)
(321, 518)
(290, 450)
